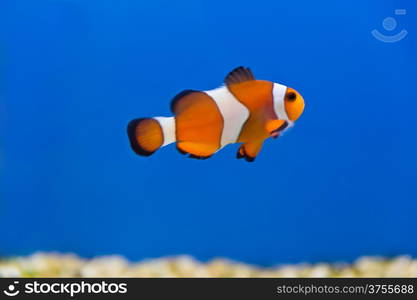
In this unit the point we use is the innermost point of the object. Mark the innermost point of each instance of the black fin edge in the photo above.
(198, 157)
(181, 151)
(280, 128)
(283, 126)
(247, 157)
(192, 155)
(180, 95)
(131, 132)
(239, 74)
(250, 158)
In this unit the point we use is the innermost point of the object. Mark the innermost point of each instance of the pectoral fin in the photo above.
(275, 127)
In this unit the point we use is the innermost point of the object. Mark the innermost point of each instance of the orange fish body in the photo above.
(245, 110)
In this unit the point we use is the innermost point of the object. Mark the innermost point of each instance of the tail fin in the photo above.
(146, 135)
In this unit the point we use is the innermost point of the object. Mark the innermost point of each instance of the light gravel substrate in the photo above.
(68, 265)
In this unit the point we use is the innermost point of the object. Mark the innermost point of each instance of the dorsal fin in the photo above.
(240, 74)
(180, 95)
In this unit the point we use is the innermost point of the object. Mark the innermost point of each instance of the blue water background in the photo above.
(341, 184)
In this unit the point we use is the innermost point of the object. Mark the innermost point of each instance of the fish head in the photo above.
(294, 104)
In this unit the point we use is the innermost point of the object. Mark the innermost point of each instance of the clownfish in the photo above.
(244, 110)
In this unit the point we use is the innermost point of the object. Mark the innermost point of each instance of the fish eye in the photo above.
(291, 96)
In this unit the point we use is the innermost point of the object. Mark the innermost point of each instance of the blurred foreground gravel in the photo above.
(59, 265)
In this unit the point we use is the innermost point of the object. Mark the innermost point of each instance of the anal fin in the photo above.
(196, 150)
